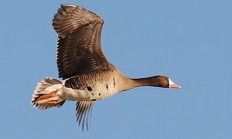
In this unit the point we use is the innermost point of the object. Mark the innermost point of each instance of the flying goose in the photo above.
(87, 74)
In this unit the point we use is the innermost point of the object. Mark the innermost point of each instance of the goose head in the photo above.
(165, 82)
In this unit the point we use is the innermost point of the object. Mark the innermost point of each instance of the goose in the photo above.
(87, 75)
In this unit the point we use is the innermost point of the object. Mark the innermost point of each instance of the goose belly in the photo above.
(89, 92)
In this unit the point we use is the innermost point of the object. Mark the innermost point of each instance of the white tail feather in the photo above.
(47, 86)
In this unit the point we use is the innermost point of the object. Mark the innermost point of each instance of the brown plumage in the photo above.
(87, 74)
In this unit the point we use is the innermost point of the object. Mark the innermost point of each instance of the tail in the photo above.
(45, 94)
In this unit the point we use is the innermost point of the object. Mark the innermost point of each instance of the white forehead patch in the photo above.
(170, 81)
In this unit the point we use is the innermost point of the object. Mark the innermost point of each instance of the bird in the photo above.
(87, 75)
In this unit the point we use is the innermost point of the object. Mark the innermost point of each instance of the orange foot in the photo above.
(51, 102)
(46, 96)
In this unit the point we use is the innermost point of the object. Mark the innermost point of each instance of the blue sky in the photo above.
(189, 41)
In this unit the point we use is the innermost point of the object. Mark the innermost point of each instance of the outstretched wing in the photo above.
(83, 111)
(79, 48)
